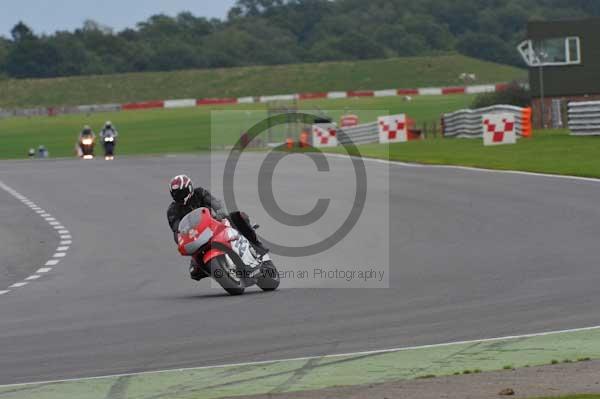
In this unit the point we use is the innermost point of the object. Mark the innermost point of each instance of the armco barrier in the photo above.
(278, 97)
(408, 92)
(468, 123)
(453, 90)
(216, 101)
(187, 103)
(385, 93)
(361, 134)
(584, 118)
(430, 91)
(360, 93)
(311, 96)
(88, 109)
(478, 89)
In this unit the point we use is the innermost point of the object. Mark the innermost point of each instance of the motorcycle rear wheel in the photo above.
(220, 271)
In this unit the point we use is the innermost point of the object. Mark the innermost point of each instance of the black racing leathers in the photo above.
(200, 199)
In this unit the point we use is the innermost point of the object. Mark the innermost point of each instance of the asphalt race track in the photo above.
(472, 254)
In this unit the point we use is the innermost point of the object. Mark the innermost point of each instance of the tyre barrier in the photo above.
(584, 118)
(468, 123)
(185, 103)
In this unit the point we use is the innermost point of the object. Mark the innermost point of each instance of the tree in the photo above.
(260, 32)
(4, 51)
(486, 47)
(399, 41)
(32, 58)
(21, 32)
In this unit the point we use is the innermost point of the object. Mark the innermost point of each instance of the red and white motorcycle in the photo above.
(226, 255)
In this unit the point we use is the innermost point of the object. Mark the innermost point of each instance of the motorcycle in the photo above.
(226, 255)
(109, 142)
(86, 145)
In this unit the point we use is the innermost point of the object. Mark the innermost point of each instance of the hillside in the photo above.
(282, 32)
(390, 73)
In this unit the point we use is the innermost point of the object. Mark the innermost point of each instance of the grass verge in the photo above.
(574, 397)
(552, 151)
(189, 130)
(293, 376)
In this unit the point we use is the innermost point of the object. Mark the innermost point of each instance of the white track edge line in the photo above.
(363, 353)
(58, 227)
(469, 168)
(44, 270)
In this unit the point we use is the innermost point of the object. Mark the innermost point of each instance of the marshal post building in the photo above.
(564, 65)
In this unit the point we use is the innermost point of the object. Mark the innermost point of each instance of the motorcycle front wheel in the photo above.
(225, 276)
(269, 279)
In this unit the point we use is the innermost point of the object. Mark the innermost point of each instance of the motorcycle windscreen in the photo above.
(188, 228)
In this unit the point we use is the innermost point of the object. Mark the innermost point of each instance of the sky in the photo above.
(48, 16)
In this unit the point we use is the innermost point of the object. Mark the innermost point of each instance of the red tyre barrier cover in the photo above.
(361, 93)
(310, 96)
(216, 101)
(143, 105)
(454, 90)
(408, 92)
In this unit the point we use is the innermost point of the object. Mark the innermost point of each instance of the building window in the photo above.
(552, 51)
(574, 50)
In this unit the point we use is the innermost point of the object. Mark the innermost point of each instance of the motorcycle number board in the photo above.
(499, 129)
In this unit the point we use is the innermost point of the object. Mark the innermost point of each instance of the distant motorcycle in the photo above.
(228, 257)
(109, 141)
(86, 146)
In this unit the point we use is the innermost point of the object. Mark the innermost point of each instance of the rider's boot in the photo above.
(197, 272)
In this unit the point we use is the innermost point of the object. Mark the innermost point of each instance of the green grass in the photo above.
(189, 130)
(392, 73)
(553, 152)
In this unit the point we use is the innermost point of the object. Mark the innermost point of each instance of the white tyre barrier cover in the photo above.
(186, 103)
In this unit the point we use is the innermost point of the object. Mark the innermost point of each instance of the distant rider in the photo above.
(108, 131)
(87, 132)
(186, 199)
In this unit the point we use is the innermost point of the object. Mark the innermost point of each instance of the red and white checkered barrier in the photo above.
(499, 129)
(393, 129)
(467, 123)
(324, 135)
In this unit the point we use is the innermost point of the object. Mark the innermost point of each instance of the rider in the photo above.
(87, 132)
(186, 199)
(108, 130)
